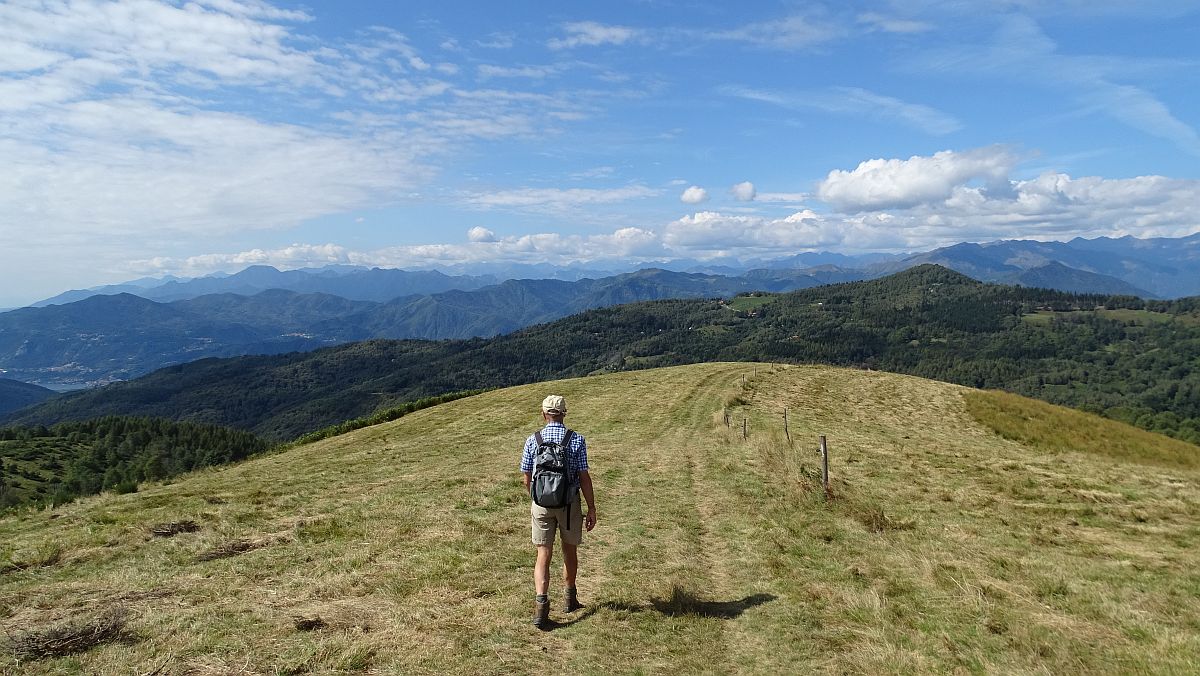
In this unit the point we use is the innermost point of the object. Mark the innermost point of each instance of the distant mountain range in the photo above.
(105, 338)
(87, 338)
(1150, 268)
(354, 283)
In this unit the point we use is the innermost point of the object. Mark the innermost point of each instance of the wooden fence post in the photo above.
(786, 433)
(825, 465)
(743, 428)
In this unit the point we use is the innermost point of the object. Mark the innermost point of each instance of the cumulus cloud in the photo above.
(480, 234)
(621, 244)
(709, 234)
(592, 34)
(693, 195)
(881, 184)
(743, 192)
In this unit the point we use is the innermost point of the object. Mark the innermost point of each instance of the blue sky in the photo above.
(150, 138)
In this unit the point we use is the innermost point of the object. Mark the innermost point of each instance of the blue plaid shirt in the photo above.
(576, 451)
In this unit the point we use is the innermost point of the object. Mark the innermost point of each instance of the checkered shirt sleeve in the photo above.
(576, 452)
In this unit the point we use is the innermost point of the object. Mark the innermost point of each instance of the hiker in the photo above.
(554, 463)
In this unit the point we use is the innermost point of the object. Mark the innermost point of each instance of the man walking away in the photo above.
(554, 463)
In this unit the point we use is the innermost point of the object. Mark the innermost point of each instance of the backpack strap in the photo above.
(537, 436)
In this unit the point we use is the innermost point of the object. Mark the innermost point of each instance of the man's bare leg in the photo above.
(541, 569)
(570, 564)
(541, 585)
(570, 570)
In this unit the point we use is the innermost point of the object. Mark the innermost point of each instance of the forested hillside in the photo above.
(40, 465)
(15, 395)
(1130, 359)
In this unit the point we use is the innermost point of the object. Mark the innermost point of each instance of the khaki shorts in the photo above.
(547, 522)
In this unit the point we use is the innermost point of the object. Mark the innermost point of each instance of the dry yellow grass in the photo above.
(947, 548)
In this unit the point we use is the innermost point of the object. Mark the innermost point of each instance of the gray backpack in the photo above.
(551, 485)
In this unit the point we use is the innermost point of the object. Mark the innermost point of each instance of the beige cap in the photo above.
(554, 404)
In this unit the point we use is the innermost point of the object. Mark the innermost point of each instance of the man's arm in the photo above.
(528, 479)
(585, 484)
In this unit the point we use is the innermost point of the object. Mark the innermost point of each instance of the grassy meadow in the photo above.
(967, 532)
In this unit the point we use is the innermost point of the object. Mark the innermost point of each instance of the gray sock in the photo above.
(542, 598)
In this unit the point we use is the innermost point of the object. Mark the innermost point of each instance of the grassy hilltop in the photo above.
(969, 531)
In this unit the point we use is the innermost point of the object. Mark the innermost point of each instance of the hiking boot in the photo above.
(570, 600)
(541, 614)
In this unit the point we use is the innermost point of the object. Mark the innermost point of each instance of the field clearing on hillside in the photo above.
(953, 543)
(1129, 316)
(751, 302)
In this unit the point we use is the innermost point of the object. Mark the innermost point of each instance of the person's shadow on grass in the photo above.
(681, 603)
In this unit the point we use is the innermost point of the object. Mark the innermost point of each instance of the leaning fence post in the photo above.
(743, 428)
(825, 465)
(786, 433)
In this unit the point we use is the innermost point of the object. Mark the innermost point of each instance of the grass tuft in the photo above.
(69, 638)
(171, 529)
(44, 556)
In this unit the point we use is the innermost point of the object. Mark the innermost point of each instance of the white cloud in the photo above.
(480, 234)
(502, 40)
(743, 192)
(531, 72)
(790, 33)
(290, 257)
(594, 172)
(708, 234)
(622, 244)
(192, 41)
(693, 195)
(20, 57)
(855, 101)
(881, 184)
(559, 199)
(875, 21)
(127, 166)
(790, 197)
(592, 34)
(106, 136)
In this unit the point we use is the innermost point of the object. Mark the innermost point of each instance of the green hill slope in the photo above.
(947, 546)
